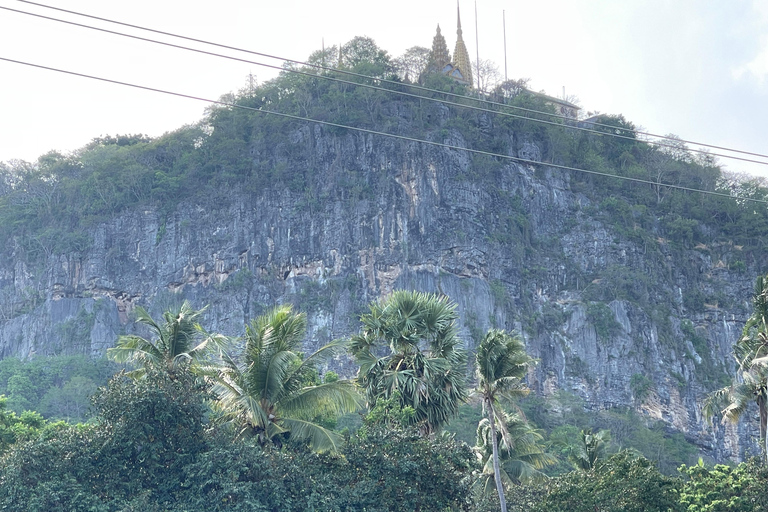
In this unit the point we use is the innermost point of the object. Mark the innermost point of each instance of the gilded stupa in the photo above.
(460, 53)
(460, 69)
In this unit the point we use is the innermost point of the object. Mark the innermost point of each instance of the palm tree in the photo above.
(408, 345)
(179, 340)
(520, 461)
(590, 449)
(502, 363)
(750, 383)
(269, 392)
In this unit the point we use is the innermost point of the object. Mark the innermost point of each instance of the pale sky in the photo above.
(695, 68)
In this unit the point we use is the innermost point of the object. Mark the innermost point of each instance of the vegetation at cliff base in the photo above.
(204, 421)
(245, 427)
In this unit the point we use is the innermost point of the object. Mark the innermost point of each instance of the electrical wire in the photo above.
(399, 84)
(384, 134)
(351, 73)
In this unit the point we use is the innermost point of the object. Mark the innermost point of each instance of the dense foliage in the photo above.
(622, 483)
(409, 344)
(725, 488)
(152, 442)
(155, 443)
(152, 448)
(58, 387)
(272, 393)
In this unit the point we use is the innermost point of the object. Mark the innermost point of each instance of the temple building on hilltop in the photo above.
(460, 69)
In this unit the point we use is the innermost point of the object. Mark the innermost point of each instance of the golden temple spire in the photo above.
(440, 56)
(460, 53)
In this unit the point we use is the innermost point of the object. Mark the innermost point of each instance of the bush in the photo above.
(622, 483)
(724, 488)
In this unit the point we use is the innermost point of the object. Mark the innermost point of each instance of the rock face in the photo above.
(514, 246)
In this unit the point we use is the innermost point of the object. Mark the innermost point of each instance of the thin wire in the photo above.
(399, 84)
(357, 84)
(384, 134)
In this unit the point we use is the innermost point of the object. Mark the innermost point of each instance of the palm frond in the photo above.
(334, 397)
(318, 438)
(272, 385)
(323, 354)
(133, 348)
(211, 341)
(715, 402)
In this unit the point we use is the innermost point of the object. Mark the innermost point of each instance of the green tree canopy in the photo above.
(268, 392)
(502, 363)
(178, 340)
(363, 55)
(590, 449)
(408, 344)
(725, 488)
(520, 462)
(620, 483)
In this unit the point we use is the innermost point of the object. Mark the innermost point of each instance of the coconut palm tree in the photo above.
(502, 363)
(270, 391)
(178, 340)
(750, 383)
(520, 461)
(590, 449)
(408, 345)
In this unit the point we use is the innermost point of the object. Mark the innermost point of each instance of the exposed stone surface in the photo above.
(428, 219)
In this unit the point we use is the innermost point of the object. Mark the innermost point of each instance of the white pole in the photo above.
(504, 21)
(477, 46)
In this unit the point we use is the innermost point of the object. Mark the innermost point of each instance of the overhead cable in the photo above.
(390, 135)
(391, 82)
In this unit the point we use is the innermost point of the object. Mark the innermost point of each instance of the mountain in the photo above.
(630, 293)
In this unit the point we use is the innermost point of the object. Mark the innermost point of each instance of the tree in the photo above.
(412, 63)
(502, 363)
(151, 428)
(509, 89)
(488, 75)
(423, 359)
(327, 57)
(750, 384)
(590, 449)
(179, 340)
(145, 432)
(623, 482)
(391, 467)
(17, 428)
(520, 462)
(362, 54)
(69, 402)
(269, 392)
(676, 148)
(735, 489)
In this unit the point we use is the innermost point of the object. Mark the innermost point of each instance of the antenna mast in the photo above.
(477, 46)
(504, 22)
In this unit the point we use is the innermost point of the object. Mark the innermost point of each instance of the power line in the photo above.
(399, 84)
(384, 134)
(402, 93)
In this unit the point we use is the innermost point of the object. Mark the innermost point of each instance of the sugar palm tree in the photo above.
(502, 363)
(520, 462)
(750, 383)
(269, 392)
(408, 346)
(178, 340)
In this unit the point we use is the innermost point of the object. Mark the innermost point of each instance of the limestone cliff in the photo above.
(601, 303)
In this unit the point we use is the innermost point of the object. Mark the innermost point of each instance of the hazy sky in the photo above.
(695, 68)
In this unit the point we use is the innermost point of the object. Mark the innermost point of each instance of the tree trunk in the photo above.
(763, 407)
(495, 443)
